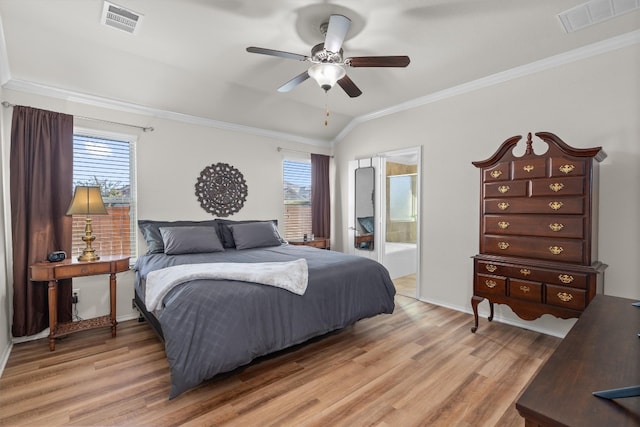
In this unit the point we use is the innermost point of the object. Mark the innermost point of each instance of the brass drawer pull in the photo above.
(556, 227)
(525, 271)
(528, 168)
(567, 168)
(503, 245)
(555, 205)
(565, 297)
(556, 250)
(496, 173)
(556, 186)
(491, 268)
(504, 188)
(525, 289)
(490, 283)
(503, 205)
(503, 225)
(565, 278)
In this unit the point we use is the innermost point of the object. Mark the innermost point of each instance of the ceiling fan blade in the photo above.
(349, 87)
(378, 61)
(294, 82)
(277, 53)
(336, 32)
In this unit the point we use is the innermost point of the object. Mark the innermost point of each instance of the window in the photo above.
(107, 161)
(402, 197)
(297, 198)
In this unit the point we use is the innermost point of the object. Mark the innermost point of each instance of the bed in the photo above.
(211, 324)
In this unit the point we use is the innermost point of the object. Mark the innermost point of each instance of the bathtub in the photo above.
(399, 258)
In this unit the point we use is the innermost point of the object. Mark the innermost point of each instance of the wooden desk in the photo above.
(53, 271)
(602, 351)
(317, 242)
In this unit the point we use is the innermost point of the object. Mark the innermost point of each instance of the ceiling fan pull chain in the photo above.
(326, 108)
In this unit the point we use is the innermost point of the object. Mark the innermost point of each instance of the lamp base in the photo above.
(89, 254)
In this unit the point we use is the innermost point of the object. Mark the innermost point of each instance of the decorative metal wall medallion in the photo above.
(221, 189)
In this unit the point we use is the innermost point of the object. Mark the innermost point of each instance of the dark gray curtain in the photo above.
(41, 170)
(320, 200)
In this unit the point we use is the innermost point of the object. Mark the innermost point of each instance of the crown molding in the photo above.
(584, 52)
(127, 107)
(578, 54)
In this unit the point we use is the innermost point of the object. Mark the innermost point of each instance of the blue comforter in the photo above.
(215, 326)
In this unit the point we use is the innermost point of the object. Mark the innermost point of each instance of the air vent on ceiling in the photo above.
(121, 18)
(594, 12)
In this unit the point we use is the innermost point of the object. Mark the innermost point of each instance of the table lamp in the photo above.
(87, 201)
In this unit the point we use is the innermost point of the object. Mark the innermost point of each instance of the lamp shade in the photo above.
(87, 201)
(326, 74)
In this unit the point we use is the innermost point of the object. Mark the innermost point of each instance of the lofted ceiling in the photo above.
(189, 57)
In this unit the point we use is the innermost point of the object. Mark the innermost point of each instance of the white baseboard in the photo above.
(42, 334)
(499, 318)
(4, 357)
(129, 316)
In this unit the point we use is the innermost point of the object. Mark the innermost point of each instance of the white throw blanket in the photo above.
(292, 276)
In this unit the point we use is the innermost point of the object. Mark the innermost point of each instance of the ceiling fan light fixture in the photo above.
(326, 74)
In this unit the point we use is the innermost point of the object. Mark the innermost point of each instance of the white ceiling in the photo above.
(189, 56)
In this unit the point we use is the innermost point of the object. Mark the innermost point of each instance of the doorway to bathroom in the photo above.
(384, 219)
(400, 211)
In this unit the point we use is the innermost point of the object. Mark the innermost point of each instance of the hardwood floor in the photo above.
(419, 366)
(406, 285)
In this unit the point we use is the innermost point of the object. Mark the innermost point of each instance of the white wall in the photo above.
(169, 161)
(5, 315)
(591, 102)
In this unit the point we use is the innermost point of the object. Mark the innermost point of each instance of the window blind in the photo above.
(109, 164)
(297, 198)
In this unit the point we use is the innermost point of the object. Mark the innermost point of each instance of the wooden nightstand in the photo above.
(53, 271)
(317, 242)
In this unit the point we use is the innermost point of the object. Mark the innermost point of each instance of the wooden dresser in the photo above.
(538, 230)
(601, 352)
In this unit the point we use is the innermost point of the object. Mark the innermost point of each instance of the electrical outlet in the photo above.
(75, 296)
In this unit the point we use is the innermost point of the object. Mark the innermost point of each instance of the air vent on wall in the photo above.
(594, 12)
(121, 18)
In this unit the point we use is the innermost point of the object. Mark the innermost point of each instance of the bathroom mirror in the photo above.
(364, 208)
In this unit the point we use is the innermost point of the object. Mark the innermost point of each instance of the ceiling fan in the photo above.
(327, 58)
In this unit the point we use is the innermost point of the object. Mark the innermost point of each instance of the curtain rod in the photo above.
(144, 128)
(296, 151)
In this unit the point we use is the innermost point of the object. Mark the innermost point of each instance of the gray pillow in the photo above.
(226, 236)
(255, 235)
(190, 240)
(151, 231)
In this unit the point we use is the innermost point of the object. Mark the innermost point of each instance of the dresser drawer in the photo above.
(563, 296)
(560, 166)
(562, 277)
(499, 172)
(530, 168)
(535, 205)
(506, 189)
(490, 285)
(535, 225)
(560, 250)
(525, 290)
(558, 186)
(82, 269)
